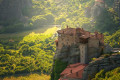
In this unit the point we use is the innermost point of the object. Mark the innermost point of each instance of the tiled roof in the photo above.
(84, 36)
(99, 1)
(56, 40)
(74, 71)
(71, 31)
(62, 79)
(73, 65)
(67, 31)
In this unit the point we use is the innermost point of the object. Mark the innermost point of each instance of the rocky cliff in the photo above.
(14, 9)
(68, 54)
(104, 62)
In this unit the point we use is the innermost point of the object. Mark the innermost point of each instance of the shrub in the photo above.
(59, 66)
(110, 75)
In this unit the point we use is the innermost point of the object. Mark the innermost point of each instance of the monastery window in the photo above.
(99, 43)
(82, 52)
(59, 35)
(67, 43)
(77, 74)
(71, 71)
(67, 39)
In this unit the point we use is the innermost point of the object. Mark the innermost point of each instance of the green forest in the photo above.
(34, 52)
(110, 75)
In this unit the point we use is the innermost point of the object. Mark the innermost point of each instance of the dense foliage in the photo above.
(72, 13)
(34, 53)
(110, 75)
(29, 77)
(114, 39)
(58, 67)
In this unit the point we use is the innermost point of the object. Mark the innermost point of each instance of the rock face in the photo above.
(96, 10)
(13, 9)
(70, 55)
(107, 64)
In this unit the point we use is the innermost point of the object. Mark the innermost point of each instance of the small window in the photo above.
(77, 74)
(82, 51)
(59, 35)
(67, 42)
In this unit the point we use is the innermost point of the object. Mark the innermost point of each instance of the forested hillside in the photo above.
(34, 52)
(77, 13)
(110, 75)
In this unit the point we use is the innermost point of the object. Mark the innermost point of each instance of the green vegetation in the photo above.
(58, 67)
(72, 13)
(110, 75)
(29, 77)
(93, 59)
(114, 39)
(34, 53)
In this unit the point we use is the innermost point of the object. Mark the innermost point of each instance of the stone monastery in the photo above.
(83, 44)
(77, 47)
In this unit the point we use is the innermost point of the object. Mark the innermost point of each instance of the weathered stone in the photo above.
(103, 63)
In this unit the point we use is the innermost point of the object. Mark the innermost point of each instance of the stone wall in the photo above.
(66, 40)
(72, 54)
(107, 64)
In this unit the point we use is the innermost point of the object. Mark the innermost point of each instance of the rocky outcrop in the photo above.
(96, 10)
(107, 64)
(13, 9)
(68, 54)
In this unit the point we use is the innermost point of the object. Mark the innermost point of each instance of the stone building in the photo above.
(73, 72)
(77, 45)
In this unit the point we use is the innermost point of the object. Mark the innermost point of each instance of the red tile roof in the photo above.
(71, 31)
(74, 71)
(99, 1)
(56, 40)
(62, 79)
(84, 37)
(73, 65)
(67, 31)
